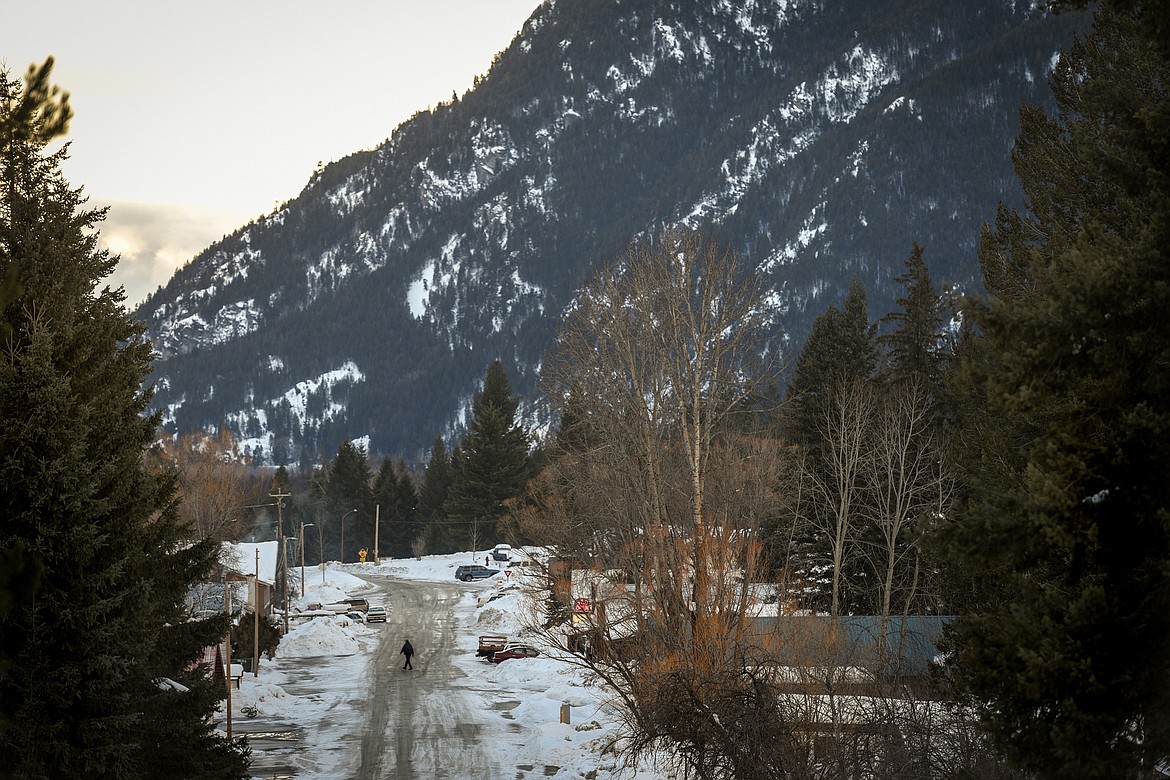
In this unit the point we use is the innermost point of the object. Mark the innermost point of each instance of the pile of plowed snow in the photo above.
(322, 636)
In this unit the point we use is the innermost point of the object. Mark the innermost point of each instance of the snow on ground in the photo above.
(325, 636)
(330, 644)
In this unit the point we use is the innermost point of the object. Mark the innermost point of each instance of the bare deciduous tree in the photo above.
(214, 483)
(660, 483)
(659, 354)
(870, 489)
(832, 505)
(907, 487)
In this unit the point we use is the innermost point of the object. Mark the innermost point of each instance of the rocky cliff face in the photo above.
(818, 138)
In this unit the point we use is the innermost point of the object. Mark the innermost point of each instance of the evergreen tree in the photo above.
(1068, 399)
(348, 487)
(490, 465)
(398, 502)
(841, 346)
(572, 434)
(915, 341)
(280, 480)
(432, 499)
(84, 692)
(9, 292)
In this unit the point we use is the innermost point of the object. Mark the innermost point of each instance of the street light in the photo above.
(304, 525)
(284, 558)
(321, 546)
(347, 514)
(321, 541)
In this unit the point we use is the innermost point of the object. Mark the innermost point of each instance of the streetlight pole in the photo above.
(321, 547)
(321, 540)
(347, 514)
(304, 525)
(284, 557)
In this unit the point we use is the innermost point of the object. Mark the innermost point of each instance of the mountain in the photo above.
(820, 138)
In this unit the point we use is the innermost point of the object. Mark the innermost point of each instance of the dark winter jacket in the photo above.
(407, 650)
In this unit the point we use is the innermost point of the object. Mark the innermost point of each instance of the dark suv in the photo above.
(469, 573)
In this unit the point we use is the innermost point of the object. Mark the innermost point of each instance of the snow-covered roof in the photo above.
(241, 558)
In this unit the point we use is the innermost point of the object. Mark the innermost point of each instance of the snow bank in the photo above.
(322, 636)
(267, 698)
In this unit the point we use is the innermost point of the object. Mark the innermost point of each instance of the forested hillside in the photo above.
(820, 140)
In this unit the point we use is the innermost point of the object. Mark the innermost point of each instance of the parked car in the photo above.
(356, 616)
(515, 651)
(359, 604)
(490, 644)
(502, 552)
(469, 573)
(376, 614)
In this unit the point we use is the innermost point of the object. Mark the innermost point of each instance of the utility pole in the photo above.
(256, 618)
(290, 538)
(227, 609)
(282, 572)
(377, 520)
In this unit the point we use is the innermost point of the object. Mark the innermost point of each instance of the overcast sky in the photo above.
(194, 118)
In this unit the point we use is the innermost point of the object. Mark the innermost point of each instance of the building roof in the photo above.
(910, 646)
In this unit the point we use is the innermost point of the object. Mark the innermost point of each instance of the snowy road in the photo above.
(336, 704)
(425, 723)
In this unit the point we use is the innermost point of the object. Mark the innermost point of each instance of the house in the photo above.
(250, 569)
(255, 563)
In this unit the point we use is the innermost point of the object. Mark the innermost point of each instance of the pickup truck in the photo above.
(490, 644)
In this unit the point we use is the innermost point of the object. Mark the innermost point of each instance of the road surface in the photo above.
(375, 721)
(424, 723)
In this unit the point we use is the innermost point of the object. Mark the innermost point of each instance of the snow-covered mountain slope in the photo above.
(819, 138)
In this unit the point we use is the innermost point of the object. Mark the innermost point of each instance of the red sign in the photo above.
(581, 605)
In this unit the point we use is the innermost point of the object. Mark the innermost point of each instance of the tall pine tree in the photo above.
(1068, 400)
(490, 465)
(398, 505)
(348, 487)
(841, 347)
(432, 499)
(914, 343)
(84, 692)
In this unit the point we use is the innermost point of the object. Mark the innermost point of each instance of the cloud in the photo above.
(156, 239)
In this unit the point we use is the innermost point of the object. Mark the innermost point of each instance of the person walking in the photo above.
(408, 651)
